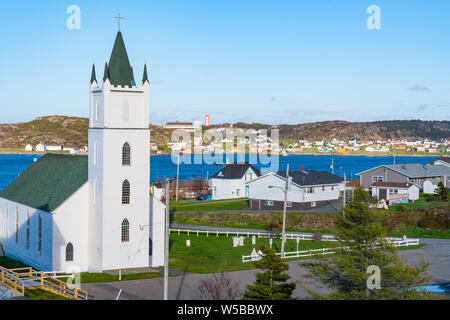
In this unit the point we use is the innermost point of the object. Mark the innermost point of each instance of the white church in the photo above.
(95, 213)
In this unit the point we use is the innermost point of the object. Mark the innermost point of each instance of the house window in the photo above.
(238, 191)
(332, 188)
(40, 234)
(125, 192)
(125, 231)
(214, 191)
(69, 252)
(126, 154)
(270, 203)
(310, 190)
(28, 231)
(377, 179)
(17, 224)
(313, 204)
(289, 204)
(393, 191)
(323, 188)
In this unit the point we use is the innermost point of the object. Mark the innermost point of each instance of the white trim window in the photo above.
(377, 178)
(126, 154)
(289, 204)
(270, 203)
(126, 192)
(313, 204)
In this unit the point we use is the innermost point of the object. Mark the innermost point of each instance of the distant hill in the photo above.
(379, 130)
(73, 131)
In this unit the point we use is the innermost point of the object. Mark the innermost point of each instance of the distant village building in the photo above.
(41, 148)
(188, 126)
(28, 148)
(54, 148)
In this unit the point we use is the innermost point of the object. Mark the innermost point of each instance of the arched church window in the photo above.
(125, 231)
(126, 154)
(69, 252)
(126, 192)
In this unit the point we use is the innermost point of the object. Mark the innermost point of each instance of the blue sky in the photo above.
(253, 61)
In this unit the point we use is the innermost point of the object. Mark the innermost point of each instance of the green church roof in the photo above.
(119, 68)
(47, 183)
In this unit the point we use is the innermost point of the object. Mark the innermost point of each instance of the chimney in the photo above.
(302, 168)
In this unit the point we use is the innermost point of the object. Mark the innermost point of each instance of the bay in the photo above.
(12, 165)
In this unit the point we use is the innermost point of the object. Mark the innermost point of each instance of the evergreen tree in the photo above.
(441, 191)
(361, 230)
(271, 284)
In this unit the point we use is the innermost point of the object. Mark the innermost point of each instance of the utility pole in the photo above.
(345, 189)
(178, 173)
(166, 244)
(283, 237)
(395, 152)
(332, 165)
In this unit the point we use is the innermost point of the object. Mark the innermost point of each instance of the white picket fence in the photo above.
(265, 234)
(397, 242)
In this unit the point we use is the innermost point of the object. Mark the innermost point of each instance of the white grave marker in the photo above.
(235, 242)
(253, 240)
(241, 241)
(188, 243)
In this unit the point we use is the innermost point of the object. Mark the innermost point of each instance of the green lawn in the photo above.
(86, 277)
(209, 205)
(214, 254)
(416, 232)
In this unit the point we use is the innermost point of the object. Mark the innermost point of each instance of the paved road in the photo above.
(437, 252)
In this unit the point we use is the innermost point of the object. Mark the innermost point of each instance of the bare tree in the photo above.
(218, 286)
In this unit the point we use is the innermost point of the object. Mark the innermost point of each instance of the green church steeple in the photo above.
(119, 68)
(93, 77)
(106, 72)
(145, 76)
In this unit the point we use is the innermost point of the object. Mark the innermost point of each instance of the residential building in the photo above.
(230, 181)
(394, 192)
(405, 173)
(308, 189)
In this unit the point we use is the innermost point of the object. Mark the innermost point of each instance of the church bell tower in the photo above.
(119, 166)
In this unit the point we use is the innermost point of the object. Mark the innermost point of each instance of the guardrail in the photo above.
(19, 279)
(397, 242)
(262, 234)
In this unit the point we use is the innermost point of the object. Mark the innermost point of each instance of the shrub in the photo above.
(317, 236)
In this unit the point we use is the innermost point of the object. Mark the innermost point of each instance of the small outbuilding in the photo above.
(395, 192)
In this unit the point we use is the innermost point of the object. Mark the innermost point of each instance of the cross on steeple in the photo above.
(118, 18)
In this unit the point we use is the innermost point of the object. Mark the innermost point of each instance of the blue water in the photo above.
(12, 165)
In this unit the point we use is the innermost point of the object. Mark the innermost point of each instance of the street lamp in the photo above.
(166, 241)
(285, 190)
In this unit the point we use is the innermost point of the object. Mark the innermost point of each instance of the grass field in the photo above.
(209, 205)
(215, 254)
(416, 232)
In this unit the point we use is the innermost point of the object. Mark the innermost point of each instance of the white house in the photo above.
(308, 189)
(230, 181)
(54, 148)
(41, 148)
(395, 191)
(95, 213)
(28, 148)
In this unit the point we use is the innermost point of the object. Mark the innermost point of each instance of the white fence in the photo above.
(262, 234)
(397, 242)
